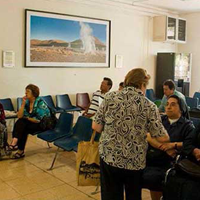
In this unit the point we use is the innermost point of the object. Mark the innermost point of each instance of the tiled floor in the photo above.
(29, 179)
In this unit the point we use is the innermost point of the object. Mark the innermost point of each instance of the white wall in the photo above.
(193, 46)
(131, 36)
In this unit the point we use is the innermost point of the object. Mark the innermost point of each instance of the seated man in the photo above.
(121, 86)
(160, 156)
(169, 89)
(98, 97)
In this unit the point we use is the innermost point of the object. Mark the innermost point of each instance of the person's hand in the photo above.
(24, 100)
(166, 146)
(196, 153)
(171, 152)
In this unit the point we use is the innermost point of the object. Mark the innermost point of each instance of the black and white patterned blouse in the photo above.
(127, 116)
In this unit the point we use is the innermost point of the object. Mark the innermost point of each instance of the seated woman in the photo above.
(180, 185)
(3, 132)
(160, 156)
(32, 110)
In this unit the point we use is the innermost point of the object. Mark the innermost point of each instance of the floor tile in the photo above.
(29, 179)
(7, 193)
(63, 191)
(43, 195)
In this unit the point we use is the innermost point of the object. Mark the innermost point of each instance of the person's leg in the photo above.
(133, 184)
(29, 128)
(111, 182)
(18, 130)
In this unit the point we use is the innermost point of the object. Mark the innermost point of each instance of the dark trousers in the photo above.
(21, 130)
(115, 180)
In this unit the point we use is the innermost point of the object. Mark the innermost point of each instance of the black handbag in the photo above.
(48, 123)
(189, 167)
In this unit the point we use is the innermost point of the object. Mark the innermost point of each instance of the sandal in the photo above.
(12, 147)
(18, 155)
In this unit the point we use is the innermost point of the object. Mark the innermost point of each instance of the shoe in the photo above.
(18, 155)
(12, 147)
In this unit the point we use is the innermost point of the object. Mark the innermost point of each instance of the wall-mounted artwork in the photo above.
(58, 40)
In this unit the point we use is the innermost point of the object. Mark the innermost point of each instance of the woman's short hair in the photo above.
(136, 77)
(34, 89)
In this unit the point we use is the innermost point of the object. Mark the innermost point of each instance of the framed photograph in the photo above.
(59, 40)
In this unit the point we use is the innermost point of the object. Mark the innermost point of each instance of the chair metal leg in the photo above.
(48, 145)
(52, 164)
(96, 190)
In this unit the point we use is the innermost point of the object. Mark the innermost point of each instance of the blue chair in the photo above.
(62, 129)
(197, 95)
(196, 121)
(82, 131)
(63, 102)
(48, 99)
(150, 95)
(192, 102)
(8, 106)
(19, 103)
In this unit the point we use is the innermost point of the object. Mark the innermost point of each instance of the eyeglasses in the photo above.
(173, 104)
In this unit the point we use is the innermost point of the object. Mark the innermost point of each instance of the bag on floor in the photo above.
(179, 186)
(88, 163)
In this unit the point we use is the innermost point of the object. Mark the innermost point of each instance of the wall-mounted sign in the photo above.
(8, 59)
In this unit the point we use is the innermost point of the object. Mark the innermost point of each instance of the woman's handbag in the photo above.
(88, 163)
(48, 123)
(187, 166)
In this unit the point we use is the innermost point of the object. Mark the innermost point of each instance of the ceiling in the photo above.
(181, 6)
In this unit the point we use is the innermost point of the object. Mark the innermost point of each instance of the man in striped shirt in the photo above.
(98, 97)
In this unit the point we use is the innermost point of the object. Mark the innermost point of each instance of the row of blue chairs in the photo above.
(192, 102)
(63, 104)
(67, 137)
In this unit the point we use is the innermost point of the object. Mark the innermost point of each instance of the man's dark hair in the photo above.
(109, 81)
(121, 84)
(170, 84)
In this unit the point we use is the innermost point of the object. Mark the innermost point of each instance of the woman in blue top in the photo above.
(32, 110)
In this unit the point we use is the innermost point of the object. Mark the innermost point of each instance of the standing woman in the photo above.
(124, 118)
(32, 110)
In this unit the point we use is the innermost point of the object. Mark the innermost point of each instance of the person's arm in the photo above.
(97, 127)
(171, 145)
(33, 120)
(85, 113)
(20, 113)
(99, 120)
(157, 142)
(155, 126)
(190, 141)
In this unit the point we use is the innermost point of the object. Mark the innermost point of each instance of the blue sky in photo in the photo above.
(45, 28)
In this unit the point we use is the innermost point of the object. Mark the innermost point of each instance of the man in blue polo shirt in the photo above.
(169, 89)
